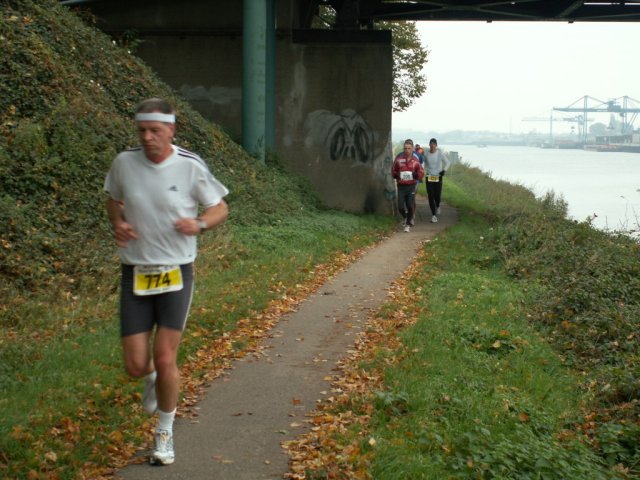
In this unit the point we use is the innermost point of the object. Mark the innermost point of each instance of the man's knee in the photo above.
(165, 357)
(165, 361)
(137, 369)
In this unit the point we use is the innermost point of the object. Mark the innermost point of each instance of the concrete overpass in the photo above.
(366, 12)
(321, 99)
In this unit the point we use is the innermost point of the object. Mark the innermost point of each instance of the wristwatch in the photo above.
(201, 224)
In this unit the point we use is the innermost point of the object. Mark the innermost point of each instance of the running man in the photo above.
(407, 171)
(436, 164)
(154, 194)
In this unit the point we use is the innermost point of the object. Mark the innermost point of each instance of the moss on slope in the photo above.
(67, 92)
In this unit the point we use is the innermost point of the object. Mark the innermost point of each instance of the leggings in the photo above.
(406, 200)
(434, 191)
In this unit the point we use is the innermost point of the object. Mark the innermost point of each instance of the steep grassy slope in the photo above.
(66, 98)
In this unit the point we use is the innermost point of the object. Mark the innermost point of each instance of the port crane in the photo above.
(579, 119)
(627, 107)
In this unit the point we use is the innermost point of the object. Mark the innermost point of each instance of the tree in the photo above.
(409, 56)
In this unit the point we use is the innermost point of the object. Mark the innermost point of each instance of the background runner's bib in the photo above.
(433, 178)
(155, 279)
(406, 176)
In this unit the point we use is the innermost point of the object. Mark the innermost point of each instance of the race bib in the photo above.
(406, 176)
(155, 279)
(433, 178)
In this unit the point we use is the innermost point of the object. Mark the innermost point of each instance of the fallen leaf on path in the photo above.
(221, 459)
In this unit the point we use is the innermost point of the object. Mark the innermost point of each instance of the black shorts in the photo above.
(140, 313)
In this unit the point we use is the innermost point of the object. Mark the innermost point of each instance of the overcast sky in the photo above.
(488, 76)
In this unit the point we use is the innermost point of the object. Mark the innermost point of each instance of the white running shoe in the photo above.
(149, 399)
(163, 453)
(407, 228)
(434, 219)
(438, 211)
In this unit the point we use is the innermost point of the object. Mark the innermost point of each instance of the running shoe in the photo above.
(434, 219)
(407, 228)
(438, 211)
(149, 399)
(163, 453)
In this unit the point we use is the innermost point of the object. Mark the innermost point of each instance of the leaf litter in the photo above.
(215, 360)
(328, 448)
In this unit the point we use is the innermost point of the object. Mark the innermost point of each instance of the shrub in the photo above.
(67, 93)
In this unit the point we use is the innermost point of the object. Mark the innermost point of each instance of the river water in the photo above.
(592, 183)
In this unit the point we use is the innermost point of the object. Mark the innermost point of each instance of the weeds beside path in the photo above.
(484, 364)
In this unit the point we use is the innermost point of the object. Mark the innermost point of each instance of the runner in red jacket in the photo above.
(407, 171)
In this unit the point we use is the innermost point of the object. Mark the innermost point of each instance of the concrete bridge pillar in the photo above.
(258, 76)
(332, 88)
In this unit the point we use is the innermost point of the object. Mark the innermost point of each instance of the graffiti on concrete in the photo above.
(345, 135)
(346, 138)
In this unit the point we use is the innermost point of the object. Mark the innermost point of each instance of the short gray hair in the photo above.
(155, 105)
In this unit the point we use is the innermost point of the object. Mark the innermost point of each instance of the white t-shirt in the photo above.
(435, 162)
(155, 196)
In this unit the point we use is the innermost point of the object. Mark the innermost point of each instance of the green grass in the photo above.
(254, 265)
(481, 394)
(522, 361)
(63, 381)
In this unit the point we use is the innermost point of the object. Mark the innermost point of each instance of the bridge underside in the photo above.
(321, 99)
(355, 13)
(364, 12)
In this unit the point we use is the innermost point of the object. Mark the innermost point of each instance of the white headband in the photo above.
(156, 117)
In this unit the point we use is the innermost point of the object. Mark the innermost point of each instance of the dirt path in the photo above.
(245, 415)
